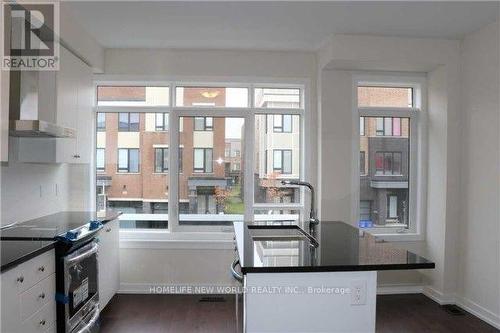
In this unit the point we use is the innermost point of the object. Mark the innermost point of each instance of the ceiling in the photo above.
(272, 25)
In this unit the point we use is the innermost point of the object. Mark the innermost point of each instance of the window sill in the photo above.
(395, 236)
(164, 239)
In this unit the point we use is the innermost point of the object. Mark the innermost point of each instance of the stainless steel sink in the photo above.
(280, 233)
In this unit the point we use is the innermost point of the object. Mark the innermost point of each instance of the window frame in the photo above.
(417, 178)
(164, 126)
(281, 169)
(120, 129)
(175, 231)
(164, 168)
(204, 169)
(103, 169)
(118, 170)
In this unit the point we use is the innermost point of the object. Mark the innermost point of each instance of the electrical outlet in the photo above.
(358, 292)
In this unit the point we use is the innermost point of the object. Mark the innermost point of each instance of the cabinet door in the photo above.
(67, 103)
(11, 312)
(109, 262)
(84, 126)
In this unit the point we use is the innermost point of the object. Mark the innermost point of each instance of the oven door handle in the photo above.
(83, 255)
(92, 321)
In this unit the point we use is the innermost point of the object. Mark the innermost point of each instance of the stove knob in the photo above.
(95, 225)
(72, 235)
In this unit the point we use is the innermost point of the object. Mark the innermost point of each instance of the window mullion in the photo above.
(173, 174)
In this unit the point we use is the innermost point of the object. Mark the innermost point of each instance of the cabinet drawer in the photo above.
(35, 270)
(37, 296)
(42, 321)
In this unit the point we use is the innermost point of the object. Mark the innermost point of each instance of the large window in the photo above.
(211, 191)
(387, 149)
(194, 148)
(277, 158)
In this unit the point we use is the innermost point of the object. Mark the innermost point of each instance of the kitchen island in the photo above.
(331, 277)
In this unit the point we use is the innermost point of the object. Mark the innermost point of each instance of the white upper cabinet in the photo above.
(69, 94)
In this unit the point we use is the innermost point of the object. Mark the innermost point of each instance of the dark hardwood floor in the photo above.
(186, 314)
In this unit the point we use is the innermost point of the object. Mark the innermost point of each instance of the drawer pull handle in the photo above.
(108, 229)
(42, 295)
(42, 322)
(41, 269)
(20, 279)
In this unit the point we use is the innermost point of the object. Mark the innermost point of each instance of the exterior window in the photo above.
(161, 160)
(203, 124)
(277, 157)
(100, 159)
(161, 121)
(128, 122)
(389, 129)
(282, 123)
(392, 206)
(101, 122)
(282, 161)
(133, 155)
(277, 98)
(362, 162)
(401, 97)
(380, 126)
(211, 191)
(211, 97)
(388, 163)
(388, 126)
(132, 96)
(128, 160)
(203, 161)
(181, 152)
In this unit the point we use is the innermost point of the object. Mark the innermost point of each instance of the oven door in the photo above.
(89, 324)
(81, 284)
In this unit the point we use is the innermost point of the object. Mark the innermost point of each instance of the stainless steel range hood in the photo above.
(33, 106)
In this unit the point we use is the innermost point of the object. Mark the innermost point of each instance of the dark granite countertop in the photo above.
(15, 252)
(342, 247)
(50, 226)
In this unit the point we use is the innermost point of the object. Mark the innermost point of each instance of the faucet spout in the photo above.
(313, 219)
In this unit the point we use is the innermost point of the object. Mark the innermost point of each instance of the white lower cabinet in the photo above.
(109, 262)
(28, 296)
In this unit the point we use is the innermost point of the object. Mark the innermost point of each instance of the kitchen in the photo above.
(87, 170)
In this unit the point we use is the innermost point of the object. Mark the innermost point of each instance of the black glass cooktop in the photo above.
(50, 226)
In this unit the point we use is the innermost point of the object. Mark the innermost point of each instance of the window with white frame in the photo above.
(388, 154)
(216, 128)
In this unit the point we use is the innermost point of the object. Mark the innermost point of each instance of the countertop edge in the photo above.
(16, 262)
(332, 269)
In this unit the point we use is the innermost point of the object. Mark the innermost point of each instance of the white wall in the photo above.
(141, 267)
(479, 246)
(29, 190)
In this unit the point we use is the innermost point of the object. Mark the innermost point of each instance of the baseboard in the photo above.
(399, 289)
(438, 297)
(479, 311)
